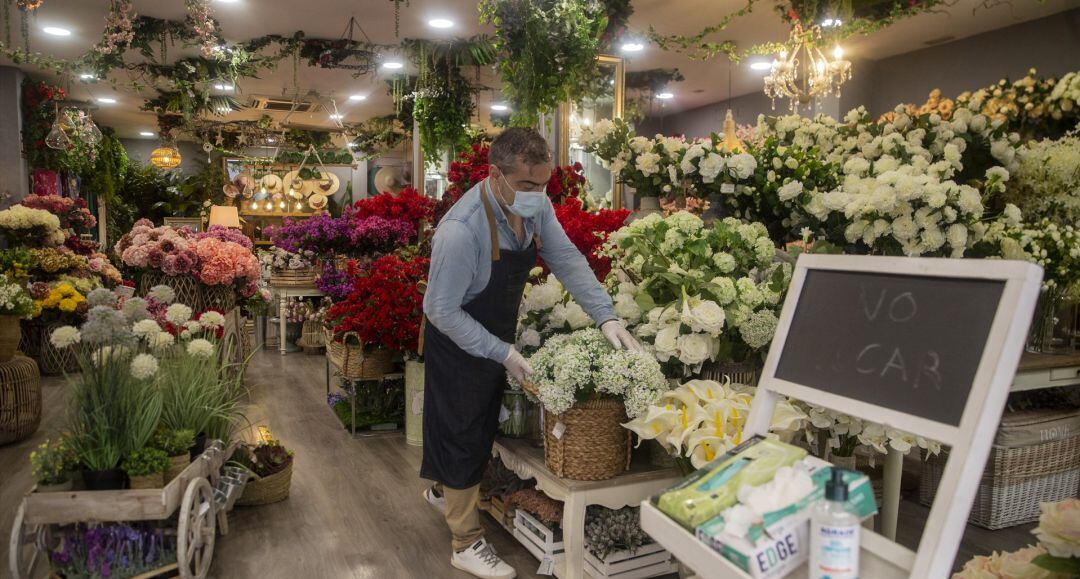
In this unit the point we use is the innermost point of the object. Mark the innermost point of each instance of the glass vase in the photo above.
(516, 424)
(1051, 326)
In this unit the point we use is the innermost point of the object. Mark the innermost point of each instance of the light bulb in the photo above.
(281, 205)
(298, 206)
(262, 190)
(838, 52)
(269, 206)
(254, 205)
(820, 66)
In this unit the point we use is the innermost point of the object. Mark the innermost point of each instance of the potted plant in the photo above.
(615, 545)
(271, 466)
(52, 463)
(588, 388)
(15, 303)
(146, 468)
(176, 444)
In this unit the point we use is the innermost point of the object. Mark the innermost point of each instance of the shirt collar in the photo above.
(500, 215)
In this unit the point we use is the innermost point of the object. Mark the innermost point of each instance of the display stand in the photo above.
(849, 321)
(283, 294)
(624, 490)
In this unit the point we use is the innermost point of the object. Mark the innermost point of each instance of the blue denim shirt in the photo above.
(461, 266)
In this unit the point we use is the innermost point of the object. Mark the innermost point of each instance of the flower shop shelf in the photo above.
(192, 492)
(880, 558)
(627, 489)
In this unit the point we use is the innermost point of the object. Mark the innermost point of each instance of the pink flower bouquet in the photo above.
(226, 263)
(162, 248)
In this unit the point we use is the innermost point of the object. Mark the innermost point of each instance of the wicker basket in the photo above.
(20, 399)
(150, 481)
(188, 289)
(312, 336)
(304, 277)
(177, 464)
(266, 490)
(738, 372)
(10, 334)
(37, 345)
(220, 297)
(593, 444)
(1015, 481)
(357, 363)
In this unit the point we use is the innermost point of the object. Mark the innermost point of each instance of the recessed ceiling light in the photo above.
(352, 145)
(146, 133)
(221, 86)
(831, 22)
(440, 23)
(337, 117)
(270, 140)
(56, 31)
(358, 97)
(760, 65)
(228, 1)
(393, 65)
(665, 96)
(86, 76)
(106, 100)
(500, 108)
(633, 47)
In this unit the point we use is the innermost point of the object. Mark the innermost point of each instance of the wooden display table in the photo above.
(629, 488)
(283, 294)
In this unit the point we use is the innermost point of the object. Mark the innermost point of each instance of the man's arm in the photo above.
(572, 269)
(455, 259)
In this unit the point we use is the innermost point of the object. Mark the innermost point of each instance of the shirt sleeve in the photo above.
(455, 259)
(572, 269)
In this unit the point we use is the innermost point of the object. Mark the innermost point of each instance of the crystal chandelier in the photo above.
(803, 73)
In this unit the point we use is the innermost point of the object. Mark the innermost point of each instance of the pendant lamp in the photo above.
(167, 156)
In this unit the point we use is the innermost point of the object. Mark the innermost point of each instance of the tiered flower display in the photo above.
(72, 213)
(25, 226)
(384, 306)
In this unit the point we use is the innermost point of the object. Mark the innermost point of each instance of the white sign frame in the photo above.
(970, 442)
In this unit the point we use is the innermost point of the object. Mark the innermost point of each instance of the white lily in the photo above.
(655, 424)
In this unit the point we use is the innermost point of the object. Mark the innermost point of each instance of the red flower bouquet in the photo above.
(470, 169)
(385, 306)
(588, 231)
(406, 205)
(568, 181)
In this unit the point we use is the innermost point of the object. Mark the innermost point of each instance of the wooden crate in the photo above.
(650, 560)
(541, 541)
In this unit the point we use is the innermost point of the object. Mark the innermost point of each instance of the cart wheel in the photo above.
(23, 555)
(196, 530)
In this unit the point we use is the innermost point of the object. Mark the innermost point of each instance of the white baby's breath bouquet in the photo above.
(584, 366)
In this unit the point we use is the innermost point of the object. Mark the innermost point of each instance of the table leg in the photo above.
(890, 502)
(574, 536)
(281, 322)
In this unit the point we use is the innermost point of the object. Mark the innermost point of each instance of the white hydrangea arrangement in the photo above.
(694, 294)
(31, 227)
(584, 366)
(547, 308)
(702, 419)
(1052, 245)
(15, 300)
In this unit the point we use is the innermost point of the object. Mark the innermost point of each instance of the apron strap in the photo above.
(495, 256)
(536, 240)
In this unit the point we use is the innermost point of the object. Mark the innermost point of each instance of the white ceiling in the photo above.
(706, 82)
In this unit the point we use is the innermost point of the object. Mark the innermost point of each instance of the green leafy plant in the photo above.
(608, 531)
(110, 169)
(548, 51)
(146, 461)
(174, 442)
(200, 395)
(52, 460)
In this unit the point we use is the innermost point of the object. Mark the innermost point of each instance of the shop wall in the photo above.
(14, 179)
(1051, 45)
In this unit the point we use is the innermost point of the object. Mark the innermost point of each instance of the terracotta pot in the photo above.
(10, 334)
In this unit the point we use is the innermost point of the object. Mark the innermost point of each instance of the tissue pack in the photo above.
(710, 490)
(778, 541)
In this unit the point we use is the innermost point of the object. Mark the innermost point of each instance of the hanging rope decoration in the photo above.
(26, 7)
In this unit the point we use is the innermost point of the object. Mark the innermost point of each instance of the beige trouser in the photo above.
(462, 515)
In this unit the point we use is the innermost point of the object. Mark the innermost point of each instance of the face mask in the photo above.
(527, 204)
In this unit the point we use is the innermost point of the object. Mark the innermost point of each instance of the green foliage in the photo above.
(107, 178)
(52, 460)
(608, 531)
(173, 442)
(548, 51)
(146, 461)
(1068, 566)
(379, 134)
(199, 395)
(39, 111)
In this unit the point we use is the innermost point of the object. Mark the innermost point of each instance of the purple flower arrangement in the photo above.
(321, 234)
(112, 550)
(225, 234)
(333, 282)
(375, 234)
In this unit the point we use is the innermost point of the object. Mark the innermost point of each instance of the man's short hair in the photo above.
(518, 145)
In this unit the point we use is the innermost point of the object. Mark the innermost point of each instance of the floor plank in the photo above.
(355, 509)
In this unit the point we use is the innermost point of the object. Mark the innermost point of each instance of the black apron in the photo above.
(463, 393)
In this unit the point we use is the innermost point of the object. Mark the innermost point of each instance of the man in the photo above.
(483, 251)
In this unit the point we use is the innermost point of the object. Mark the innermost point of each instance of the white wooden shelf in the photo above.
(879, 559)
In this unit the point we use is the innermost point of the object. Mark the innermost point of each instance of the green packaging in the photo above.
(710, 490)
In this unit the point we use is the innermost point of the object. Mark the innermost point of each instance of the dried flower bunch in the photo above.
(546, 509)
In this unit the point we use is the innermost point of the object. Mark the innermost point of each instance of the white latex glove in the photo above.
(616, 333)
(517, 366)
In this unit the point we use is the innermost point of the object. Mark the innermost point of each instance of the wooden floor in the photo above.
(356, 509)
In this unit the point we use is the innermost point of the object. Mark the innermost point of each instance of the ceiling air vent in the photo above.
(940, 40)
(275, 104)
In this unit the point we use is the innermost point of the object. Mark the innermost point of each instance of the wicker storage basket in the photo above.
(304, 277)
(269, 489)
(20, 399)
(177, 464)
(10, 334)
(37, 345)
(357, 363)
(312, 335)
(220, 297)
(150, 481)
(1016, 479)
(593, 444)
(188, 289)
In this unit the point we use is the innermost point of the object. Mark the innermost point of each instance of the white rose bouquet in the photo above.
(584, 366)
(547, 309)
(703, 419)
(694, 294)
(650, 166)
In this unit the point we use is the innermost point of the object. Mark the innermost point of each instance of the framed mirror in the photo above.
(605, 103)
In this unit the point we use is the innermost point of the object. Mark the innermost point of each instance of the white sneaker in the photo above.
(439, 503)
(481, 561)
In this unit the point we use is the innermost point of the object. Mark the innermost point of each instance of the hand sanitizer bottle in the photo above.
(834, 534)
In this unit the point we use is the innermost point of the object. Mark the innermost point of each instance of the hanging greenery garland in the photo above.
(642, 86)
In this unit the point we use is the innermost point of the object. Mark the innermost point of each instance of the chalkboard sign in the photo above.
(904, 342)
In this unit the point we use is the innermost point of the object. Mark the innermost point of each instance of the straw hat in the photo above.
(292, 181)
(389, 179)
(271, 182)
(318, 201)
(327, 184)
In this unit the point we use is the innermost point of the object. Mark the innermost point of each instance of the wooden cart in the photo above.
(192, 492)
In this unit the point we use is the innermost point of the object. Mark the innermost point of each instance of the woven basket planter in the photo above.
(10, 334)
(20, 399)
(1015, 481)
(312, 335)
(220, 297)
(267, 490)
(188, 289)
(356, 362)
(304, 277)
(593, 444)
(149, 481)
(177, 464)
(50, 359)
(738, 372)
